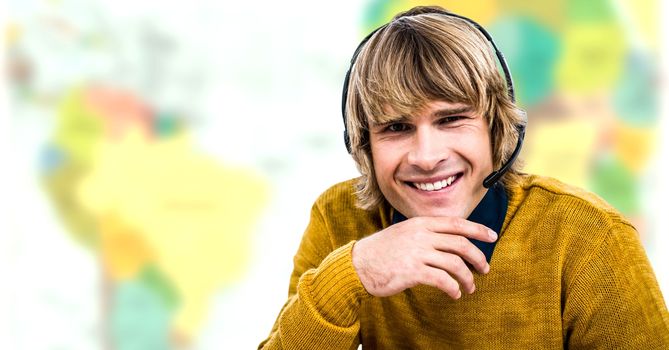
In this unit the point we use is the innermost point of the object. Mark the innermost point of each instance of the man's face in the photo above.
(433, 162)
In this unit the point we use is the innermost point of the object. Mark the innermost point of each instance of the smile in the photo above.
(435, 186)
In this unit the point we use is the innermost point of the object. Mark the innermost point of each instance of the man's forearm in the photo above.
(323, 314)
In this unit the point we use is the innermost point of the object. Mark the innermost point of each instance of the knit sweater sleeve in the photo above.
(324, 295)
(613, 300)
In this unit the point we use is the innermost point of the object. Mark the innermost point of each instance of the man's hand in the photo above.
(422, 250)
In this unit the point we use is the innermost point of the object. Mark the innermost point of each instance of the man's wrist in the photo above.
(334, 288)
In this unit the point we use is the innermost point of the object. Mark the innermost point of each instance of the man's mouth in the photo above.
(435, 186)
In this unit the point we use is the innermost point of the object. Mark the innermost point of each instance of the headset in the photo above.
(491, 179)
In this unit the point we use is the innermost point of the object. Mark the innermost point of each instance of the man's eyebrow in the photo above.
(445, 112)
(390, 120)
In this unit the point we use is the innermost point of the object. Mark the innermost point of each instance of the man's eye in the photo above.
(451, 119)
(397, 127)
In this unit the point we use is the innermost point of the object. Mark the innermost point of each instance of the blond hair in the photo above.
(424, 55)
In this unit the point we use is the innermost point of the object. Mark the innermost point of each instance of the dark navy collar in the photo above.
(490, 212)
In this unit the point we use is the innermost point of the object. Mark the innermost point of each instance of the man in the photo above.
(430, 248)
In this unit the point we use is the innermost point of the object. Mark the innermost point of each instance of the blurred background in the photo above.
(161, 157)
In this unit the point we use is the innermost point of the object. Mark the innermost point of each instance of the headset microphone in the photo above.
(497, 174)
(491, 179)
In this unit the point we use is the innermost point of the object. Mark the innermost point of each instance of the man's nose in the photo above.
(427, 149)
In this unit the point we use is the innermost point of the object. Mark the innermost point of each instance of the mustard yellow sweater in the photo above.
(567, 271)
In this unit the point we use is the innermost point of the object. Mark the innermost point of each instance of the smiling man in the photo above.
(433, 162)
(442, 243)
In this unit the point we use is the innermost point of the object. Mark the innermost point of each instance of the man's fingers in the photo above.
(439, 278)
(462, 247)
(461, 227)
(454, 266)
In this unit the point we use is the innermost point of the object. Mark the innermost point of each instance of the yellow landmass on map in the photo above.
(78, 221)
(78, 129)
(592, 58)
(562, 149)
(481, 11)
(195, 214)
(642, 21)
(548, 13)
(123, 250)
(635, 145)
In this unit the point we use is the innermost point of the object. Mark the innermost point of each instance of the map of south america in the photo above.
(170, 226)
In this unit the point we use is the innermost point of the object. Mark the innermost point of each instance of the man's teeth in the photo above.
(435, 186)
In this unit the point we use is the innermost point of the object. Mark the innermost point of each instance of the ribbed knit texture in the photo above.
(567, 271)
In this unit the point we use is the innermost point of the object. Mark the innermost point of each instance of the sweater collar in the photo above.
(490, 212)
